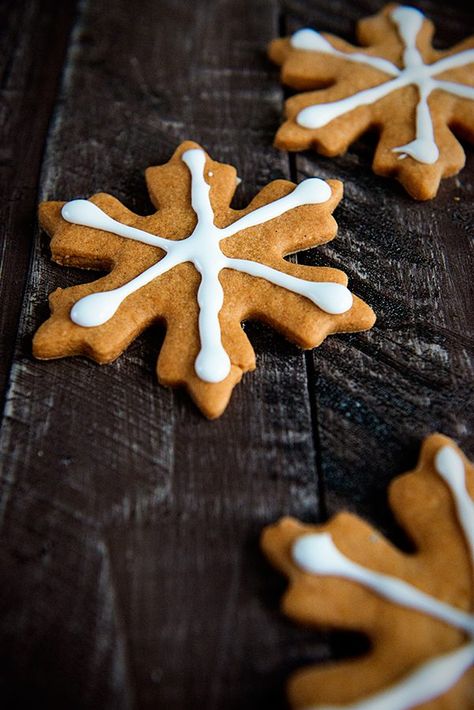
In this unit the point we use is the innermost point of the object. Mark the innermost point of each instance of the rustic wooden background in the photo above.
(130, 570)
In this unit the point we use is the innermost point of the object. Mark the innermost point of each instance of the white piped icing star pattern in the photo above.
(202, 249)
(206, 240)
(432, 75)
(415, 72)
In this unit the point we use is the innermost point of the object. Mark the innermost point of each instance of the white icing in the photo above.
(97, 308)
(87, 214)
(450, 467)
(315, 42)
(428, 682)
(202, 249)
(330, 297)
(414, 73)
(317, 554)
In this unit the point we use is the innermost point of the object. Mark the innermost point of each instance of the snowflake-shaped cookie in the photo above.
(199, 267)
(398, 84)
(416, 609)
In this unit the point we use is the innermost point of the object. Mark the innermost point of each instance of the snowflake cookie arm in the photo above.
(290, 315)
(461, 113)
(336, 80)
(296, 230)
(74, 245)
(175, 367)
(416, 609)
(303, 68)
(421, 181)
(304, 227)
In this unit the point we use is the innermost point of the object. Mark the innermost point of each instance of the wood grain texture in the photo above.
(131, 576)
(143, 517)
(33, 42)
(380, 393)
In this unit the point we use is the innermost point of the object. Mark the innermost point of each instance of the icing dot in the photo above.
(212, 364)
(409, 21)
(313, 191)
(331, 297)
(318, 554)
(422, 150)
(309, 39)
(87, 214)
(96, 309)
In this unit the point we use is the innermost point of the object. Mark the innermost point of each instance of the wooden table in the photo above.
(130, 570)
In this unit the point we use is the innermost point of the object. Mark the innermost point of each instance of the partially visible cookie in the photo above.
(412, 94)
(200, 268)
(416, 609)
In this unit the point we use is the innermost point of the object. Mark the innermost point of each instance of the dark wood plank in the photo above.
(130, 569)
(132, 521)
(33, 40)
(378, 394)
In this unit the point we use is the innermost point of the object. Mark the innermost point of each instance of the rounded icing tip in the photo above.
(312, 191)
(317, 553)
(404, 12)
(193, 155)
(333, 298)
(212, 364)
(85, 213)
(310, 40)
(95, 309)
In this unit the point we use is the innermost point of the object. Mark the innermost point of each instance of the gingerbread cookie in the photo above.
(416, 609)
(412, 94)
(200, 268)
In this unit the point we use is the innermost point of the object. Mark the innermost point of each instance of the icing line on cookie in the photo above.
(430, 680)
(316, 553)
(415, 72)
(449, 465)
(202, 249)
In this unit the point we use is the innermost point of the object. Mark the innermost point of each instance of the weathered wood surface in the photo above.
(379, 394)
(131, 576)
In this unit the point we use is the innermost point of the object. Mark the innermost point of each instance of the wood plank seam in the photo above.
(26, 150)
(311, 375)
